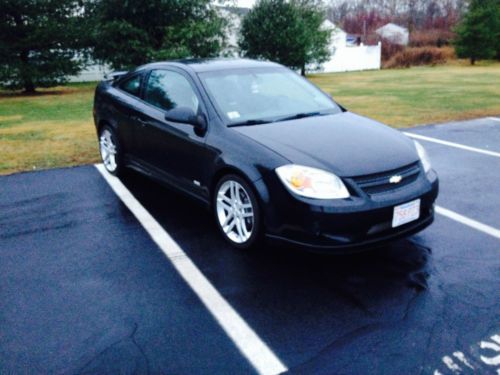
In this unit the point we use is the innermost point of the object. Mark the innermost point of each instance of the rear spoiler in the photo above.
(113, 76)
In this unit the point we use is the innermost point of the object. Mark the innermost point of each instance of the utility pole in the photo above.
(364, 30)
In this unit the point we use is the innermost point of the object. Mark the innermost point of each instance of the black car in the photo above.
(271, 154)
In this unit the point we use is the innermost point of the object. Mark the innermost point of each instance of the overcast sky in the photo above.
(245, 3)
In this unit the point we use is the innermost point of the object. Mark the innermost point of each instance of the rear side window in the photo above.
(168, 90)
(132, 85)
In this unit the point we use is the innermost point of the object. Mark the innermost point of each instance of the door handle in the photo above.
(139, 120)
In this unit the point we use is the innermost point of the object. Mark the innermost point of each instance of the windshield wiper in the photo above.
(286, 118)
(299, 116)
(249, 122)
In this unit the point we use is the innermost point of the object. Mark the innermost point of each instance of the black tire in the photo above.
(256, 232)
(118, 155)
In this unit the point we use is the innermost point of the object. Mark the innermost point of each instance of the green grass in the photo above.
(423, 95)
(55, 128)
(50, 129)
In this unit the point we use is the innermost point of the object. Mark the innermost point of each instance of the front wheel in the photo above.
(237, 212)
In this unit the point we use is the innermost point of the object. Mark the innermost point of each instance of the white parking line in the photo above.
(494, 118)
(469, 222)
(243, 336)
(453, 144)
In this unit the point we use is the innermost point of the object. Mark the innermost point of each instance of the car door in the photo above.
(172, 150)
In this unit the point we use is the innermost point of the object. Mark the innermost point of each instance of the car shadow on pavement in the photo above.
(404, 262)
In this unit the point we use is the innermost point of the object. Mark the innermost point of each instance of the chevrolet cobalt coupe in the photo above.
(268, 152)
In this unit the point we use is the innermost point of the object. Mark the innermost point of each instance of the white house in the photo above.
(344, 56)
(234, 16)
(394, 33)
(94, 72)
(348, 56)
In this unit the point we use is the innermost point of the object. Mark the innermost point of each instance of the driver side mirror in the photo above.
(185, 115)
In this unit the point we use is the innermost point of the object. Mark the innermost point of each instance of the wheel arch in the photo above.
(224, 171)
(102, 123)
(258, 187)
(113, 126)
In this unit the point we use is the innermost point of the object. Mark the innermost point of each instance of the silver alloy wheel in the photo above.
(107, 148)
(235, 211)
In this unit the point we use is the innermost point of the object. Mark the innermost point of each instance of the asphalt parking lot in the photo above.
(85, 289)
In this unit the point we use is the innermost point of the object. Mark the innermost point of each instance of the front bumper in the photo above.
(347, 225)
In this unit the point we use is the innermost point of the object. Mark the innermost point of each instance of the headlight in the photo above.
(422, 154)
(312, 182)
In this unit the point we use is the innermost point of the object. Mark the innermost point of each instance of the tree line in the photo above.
(42, 42)
(413, 14)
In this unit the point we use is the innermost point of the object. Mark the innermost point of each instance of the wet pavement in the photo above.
(83, 289)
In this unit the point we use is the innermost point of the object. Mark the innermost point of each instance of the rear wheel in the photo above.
(110, 150)
(237, 212)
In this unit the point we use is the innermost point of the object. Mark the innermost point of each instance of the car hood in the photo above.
(345, 143)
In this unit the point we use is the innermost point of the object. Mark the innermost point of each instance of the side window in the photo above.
(167, 90)
(132, 85)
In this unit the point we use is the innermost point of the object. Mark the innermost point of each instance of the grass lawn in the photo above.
(47, 130)
(55, 127)
(420, 95)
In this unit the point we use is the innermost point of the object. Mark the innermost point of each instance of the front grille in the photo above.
(380, 182)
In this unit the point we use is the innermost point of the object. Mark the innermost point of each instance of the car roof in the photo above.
(207, 65)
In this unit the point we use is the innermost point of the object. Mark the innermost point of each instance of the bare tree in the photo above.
(414, 14)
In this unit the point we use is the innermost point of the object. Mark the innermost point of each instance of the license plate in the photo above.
(406, 213)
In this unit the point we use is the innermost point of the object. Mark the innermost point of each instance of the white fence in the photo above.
(347, 58)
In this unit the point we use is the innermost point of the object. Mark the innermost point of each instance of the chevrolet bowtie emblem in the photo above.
(395, 179)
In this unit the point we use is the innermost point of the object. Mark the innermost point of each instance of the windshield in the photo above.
(260, 95)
